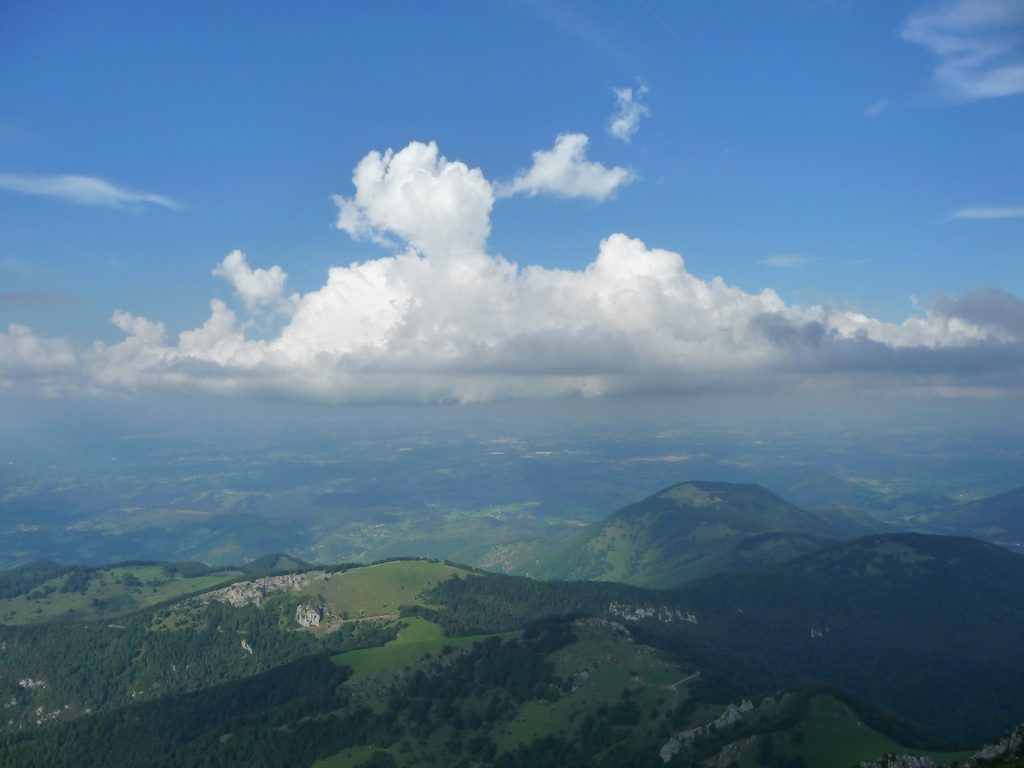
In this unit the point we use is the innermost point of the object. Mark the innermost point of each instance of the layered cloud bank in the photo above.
(444, 320)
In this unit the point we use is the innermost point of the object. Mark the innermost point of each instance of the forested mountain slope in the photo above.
(998, 518)
(695, 529)
(927, 626)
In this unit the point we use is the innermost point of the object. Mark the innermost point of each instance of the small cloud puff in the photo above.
(626, 121)
(256, 288)
(789, 260)
(83, 190)
(565, 172)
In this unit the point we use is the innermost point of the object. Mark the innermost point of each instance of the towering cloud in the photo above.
(441, 319)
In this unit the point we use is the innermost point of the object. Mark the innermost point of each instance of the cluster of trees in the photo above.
(92, 666)
(23, 579)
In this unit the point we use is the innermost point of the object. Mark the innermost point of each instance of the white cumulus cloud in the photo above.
(23, 354)
(83, 190)
(444, 320)
(564, 171)
(978, 45)
(626, 121)
(434, 205)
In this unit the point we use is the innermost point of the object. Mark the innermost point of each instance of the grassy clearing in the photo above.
(111, 592)
(613, 664)
(832, 735)
(351, 758)
(415, 640)
(378, 590)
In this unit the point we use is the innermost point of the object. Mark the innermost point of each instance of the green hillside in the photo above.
(927, 626)
(913, 641)
(563, 692)
(695, 529)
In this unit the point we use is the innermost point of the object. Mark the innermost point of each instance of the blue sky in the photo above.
(821, 149)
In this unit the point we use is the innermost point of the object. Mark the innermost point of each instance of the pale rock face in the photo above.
(29, 684)
(246, 646)
(901, 761)
(1011, 745)
(308, 616)
(579, 680)
(255, 592)
(601, 624)
(684, 740)
(727, 757)
(639, 613)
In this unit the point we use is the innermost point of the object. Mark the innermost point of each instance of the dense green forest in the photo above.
(301, 712)
(87, 666)
(926, 626)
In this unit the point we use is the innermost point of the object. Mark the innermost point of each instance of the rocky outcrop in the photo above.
(308, 615)
(246, 646)
(255, 592)
(685, 739)
(728, 756)
(901, 761)
(29, 684)
(579, 680)
(641, 612)
(1011, 745)
(601, 625)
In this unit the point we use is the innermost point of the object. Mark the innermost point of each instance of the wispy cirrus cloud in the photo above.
(978, 44)
(877, 108)
(36, 298)
(789, 260)
(82, 190)
(990, 212)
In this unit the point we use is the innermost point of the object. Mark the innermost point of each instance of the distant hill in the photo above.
(695, 529)
(999, 519)
(928, 627)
